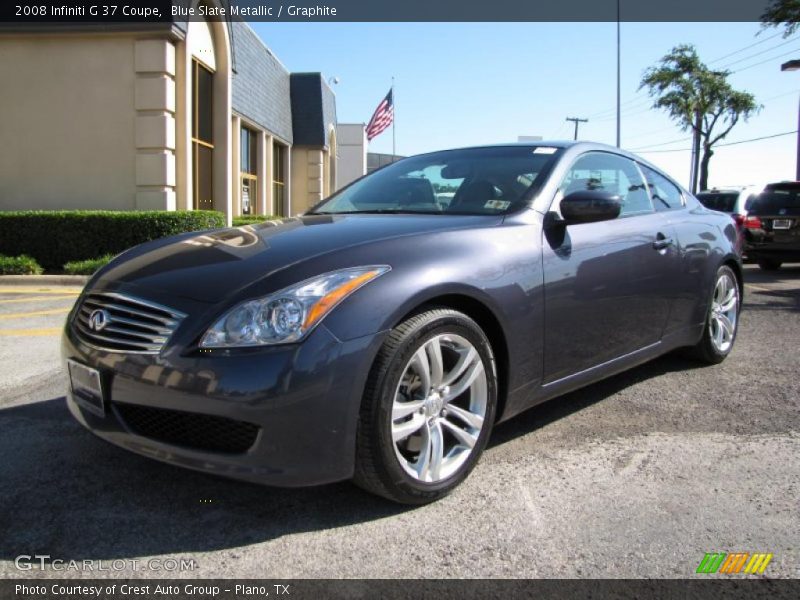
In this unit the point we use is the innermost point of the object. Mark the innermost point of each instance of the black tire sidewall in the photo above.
(455, 323)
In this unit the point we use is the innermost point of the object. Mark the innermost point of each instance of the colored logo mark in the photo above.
(736, 562)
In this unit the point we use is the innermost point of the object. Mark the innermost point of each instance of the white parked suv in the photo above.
(734, 200)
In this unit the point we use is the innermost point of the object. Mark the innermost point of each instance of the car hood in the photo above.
(210, 266)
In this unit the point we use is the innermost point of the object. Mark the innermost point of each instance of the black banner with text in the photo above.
(28, 12)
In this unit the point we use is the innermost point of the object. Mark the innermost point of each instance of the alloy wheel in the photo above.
(724, 313)
(439, 408)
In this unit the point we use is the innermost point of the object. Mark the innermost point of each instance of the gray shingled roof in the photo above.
(261, 86)
(313, 109)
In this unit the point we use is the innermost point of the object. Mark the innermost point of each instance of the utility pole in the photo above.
(695, 172)
(576, 120)
(794, 65)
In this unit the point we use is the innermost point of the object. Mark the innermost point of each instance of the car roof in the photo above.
(783, 185)
(572, 147)
(576, 146)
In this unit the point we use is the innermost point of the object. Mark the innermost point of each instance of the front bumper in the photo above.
(303, 398)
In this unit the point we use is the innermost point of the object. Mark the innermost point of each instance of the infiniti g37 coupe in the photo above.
(380, 336)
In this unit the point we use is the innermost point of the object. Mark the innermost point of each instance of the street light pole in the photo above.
(794, 65)
(619, 115)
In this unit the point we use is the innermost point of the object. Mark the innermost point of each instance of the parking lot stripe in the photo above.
(56, 311)
(12, 289)
(30, 332)
(36, 299)
(756, 288)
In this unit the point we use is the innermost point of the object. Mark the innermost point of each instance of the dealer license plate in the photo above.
(86, 387)
(782, 224)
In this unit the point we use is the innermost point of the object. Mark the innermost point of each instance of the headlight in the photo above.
(288, 315)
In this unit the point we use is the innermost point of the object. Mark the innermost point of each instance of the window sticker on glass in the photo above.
(497, 204)
(545, 150)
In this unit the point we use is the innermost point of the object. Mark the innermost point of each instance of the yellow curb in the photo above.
(30, 332)
(16, 289)
(57, 311)
(37, 298)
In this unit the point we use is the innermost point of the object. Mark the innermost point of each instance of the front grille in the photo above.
(191, 430)
(122, 323)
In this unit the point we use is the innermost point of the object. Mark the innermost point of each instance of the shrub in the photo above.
(88, 266)
(19, 265)
(252, 219)
(57, 237)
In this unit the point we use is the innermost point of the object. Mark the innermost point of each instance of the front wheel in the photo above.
(722, 320)
(428, 408)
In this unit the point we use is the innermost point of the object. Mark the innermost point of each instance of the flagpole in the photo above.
(394, 119)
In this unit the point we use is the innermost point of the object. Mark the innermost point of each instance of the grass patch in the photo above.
(253, 219)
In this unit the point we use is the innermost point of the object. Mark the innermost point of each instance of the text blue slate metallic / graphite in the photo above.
(380, 336)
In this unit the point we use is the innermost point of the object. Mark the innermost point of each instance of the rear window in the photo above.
(772, 202)
(721, 201)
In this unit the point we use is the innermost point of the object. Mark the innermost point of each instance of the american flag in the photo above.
(382, 118)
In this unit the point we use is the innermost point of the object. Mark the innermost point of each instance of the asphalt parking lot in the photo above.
(637, 476)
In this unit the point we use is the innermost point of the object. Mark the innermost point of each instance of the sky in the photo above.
(465, 84)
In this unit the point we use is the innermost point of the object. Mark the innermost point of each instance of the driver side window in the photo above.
(602, 171)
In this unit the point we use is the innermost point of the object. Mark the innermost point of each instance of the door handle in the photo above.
(662, 242)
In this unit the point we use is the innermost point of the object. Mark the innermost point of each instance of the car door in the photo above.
(606, 283)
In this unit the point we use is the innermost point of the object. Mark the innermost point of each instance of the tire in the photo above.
(766, 264)
(716, 343)
(428, 463)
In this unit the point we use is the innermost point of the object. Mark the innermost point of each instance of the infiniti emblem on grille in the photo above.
(98, 320)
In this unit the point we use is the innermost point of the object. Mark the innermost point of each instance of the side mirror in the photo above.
(587, 206)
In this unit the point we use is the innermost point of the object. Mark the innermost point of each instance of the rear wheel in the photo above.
(766, 264)
(428, 408)
(722, 321)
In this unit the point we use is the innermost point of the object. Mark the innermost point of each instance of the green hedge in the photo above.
(19, 265)
(88, 266)
(54, 238)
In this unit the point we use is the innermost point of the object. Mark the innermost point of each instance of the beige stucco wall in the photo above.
(67, 122)
(352, 162)
(308, 171)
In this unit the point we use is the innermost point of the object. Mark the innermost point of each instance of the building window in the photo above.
(249, 170)
(202, 136)
(279, 179)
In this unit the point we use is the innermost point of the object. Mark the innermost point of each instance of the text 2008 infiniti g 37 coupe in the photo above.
(380, 336)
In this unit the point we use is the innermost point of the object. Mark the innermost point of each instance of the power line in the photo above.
(683, 139)
(746, 58)
(629, 104)
(771, 58)
(628, 114)
(766, 39)
(646, 133)
(648, 146)
(765, 137)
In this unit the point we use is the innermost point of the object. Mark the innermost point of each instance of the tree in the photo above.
(698, 99)
(782, 13)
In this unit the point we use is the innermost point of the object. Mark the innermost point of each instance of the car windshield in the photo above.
(475, 181)
(721, 201)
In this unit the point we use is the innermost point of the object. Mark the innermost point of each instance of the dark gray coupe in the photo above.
(380, 336)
